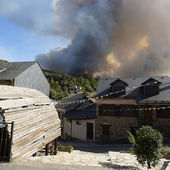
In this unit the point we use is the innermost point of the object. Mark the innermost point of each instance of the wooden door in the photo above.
(106, 133)
(89, 130)
(147, 117)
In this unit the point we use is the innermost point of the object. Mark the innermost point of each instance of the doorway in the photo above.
(89, 130)
(105, 132)
(147, 117)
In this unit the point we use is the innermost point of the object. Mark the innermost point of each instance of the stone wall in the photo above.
(161, 124)
(118, 126)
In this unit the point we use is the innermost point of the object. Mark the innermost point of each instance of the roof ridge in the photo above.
(134, 77)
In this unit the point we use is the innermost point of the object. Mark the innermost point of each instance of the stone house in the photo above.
(24, 74)
(77, 115)
(74, 89)
(125, 104)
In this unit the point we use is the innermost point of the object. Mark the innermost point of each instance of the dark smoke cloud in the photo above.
(91, 25)
(135, 33)
(110, 37)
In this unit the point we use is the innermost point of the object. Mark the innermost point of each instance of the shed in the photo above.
(36, 121)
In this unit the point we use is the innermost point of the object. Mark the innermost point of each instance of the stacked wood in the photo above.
(36, 121)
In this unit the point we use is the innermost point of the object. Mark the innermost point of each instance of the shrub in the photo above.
(64, 147)
(147, 146)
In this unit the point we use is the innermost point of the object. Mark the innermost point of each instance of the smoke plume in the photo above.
(111, 37)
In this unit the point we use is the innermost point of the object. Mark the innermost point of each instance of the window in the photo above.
(127, 110)
(118, 110)
(101, 110)
(151, 90)
(119, 90)
(163, 113)
(135, 111)
(78, 122)
(106, 109)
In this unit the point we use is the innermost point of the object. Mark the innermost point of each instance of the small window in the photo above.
(163, 112)
(108, 109)
(118, 90)
(117, 110)
(127, 110)
(151, 90)
(101, 112)
(135, 111)
(78, 122)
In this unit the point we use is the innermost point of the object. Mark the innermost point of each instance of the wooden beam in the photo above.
(55, 146)
(46, 149)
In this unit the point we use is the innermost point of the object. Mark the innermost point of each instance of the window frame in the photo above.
(117, 110)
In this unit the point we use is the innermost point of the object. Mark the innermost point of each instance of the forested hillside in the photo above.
(3, 61)
(59, 84)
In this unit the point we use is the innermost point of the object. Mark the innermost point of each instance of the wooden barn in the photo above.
(28, 122)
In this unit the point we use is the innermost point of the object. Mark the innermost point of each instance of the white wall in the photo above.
(67, 127)
(78, 131)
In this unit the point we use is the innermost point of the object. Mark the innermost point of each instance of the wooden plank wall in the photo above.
(36, 120)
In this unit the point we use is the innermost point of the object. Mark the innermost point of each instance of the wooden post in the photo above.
(55, 146)
(10, 144)
(46, 149)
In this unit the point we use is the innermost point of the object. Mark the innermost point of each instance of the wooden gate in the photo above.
(6, 141)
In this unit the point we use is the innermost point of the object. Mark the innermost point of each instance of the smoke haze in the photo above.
(107, 37)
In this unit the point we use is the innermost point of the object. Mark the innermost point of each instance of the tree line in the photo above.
(59, 84)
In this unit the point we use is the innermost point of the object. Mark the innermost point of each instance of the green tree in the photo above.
(53, 94)
(88, 88)
(147, 144)
(86, 82)
(60, 83)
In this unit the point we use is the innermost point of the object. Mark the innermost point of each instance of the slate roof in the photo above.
(13, 69)
(82, 114)
(74, 104)
(137, 93)
(117, 80)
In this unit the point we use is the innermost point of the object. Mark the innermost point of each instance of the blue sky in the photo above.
(21, 40)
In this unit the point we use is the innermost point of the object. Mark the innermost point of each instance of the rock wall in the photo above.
(161, 124)
(118, 126)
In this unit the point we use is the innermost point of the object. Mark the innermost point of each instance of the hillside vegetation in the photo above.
(1, 61)
(59, 84)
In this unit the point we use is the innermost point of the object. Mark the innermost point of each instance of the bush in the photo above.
(64, 147)
(165, 152)
(147, 146)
